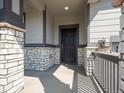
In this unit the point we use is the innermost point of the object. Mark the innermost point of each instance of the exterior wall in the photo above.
(41, 58)
(121, 50)
(49, 28)
(34, 27)
(11, 60)
(67, 20)
(104, 21)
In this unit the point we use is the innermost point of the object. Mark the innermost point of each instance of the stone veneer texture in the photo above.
(81, 56)
(89, 60)
(121, 49)
(57, 56)
(40, 58)
(11, 60)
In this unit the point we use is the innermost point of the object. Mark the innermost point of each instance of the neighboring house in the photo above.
(36, 34)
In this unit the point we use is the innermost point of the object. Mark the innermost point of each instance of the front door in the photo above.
(68, 45)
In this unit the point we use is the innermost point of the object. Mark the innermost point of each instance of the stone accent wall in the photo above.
(11, 60)
(40, 58)
(121, 49)
(81, 56)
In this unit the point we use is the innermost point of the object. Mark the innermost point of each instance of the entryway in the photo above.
(69, 44)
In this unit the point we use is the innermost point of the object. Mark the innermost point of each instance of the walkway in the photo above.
(59, 79)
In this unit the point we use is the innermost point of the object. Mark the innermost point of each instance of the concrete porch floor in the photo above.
(58, 79)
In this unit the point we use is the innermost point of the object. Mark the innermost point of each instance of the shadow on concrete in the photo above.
(59, 79)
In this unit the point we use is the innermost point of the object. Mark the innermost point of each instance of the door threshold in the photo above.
(69, 64)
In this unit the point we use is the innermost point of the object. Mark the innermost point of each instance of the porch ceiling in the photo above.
(57, 6)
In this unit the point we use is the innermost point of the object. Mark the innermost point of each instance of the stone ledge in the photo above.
(11, 26)
(117, 3)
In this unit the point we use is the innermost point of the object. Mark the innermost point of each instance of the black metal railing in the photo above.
(106, 72)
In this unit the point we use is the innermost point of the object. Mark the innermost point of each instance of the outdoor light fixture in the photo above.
(66, 8)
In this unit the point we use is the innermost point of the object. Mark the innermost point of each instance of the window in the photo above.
(16, 6)
(1, 4)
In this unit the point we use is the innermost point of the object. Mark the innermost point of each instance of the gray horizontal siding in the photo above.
(104, 21)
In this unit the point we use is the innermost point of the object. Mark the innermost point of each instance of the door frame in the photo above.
(76, 26)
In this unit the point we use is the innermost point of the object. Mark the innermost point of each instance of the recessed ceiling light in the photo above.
(66, 8)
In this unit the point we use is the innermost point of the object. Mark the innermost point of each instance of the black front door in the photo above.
(68, 45)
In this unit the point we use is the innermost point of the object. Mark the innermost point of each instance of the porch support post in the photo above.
(44, 26)
(121, 50)
(11, 47)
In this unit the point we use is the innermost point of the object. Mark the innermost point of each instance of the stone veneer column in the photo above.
(89, 60)
(121, 49)
(11, 59)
